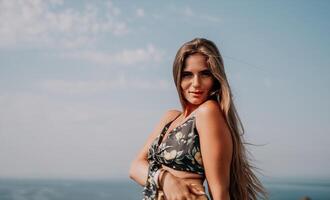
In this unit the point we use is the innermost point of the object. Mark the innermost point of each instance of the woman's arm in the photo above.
(216, 148)
(139, 166)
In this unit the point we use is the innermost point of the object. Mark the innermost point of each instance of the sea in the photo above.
(66, 189)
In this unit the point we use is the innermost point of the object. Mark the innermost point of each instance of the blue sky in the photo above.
(82, 84)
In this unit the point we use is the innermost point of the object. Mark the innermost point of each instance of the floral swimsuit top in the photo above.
(180, 151)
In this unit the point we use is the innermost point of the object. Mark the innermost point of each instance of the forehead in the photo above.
(195, 62)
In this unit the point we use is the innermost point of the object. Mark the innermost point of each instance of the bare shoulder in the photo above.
(209, 116)
(166, 117)
(170, 115)
(209, 108)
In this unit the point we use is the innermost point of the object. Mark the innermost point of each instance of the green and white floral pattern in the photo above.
(180, 151)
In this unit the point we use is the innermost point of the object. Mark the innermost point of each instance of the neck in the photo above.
(188, 110)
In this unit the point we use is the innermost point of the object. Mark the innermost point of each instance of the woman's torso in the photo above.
(177, 148)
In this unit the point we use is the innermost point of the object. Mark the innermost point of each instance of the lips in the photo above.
(197, 92)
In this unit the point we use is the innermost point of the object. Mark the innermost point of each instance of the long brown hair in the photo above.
(244, 184)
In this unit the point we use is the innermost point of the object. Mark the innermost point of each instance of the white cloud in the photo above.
(37, 23)
(125, 57)
(140, 12)
(100, 86)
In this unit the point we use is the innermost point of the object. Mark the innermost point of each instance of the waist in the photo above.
(198, 185)
(187, 176)
(192, 179)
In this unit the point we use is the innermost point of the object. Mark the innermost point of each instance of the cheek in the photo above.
(184, 86)
(209, 84)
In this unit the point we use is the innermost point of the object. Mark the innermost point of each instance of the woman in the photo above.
(201, 142)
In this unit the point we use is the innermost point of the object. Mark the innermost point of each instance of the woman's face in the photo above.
(196, 79)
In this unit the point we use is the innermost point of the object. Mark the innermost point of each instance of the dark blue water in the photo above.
(297, 188)
(29, 189)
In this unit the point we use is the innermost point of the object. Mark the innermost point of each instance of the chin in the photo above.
(196, 101)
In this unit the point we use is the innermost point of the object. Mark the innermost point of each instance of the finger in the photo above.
(187, 195)
(191, 195)
(194, 189)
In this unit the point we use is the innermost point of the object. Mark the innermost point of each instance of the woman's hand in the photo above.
(176, 188)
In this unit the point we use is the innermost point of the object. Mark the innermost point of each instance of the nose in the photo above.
(196, 81)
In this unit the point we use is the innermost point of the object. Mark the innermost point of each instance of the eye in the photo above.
(206, 73)
(186, 74)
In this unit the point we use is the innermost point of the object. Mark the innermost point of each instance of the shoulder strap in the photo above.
(170, 122)
(176, 117)
(165, 129)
